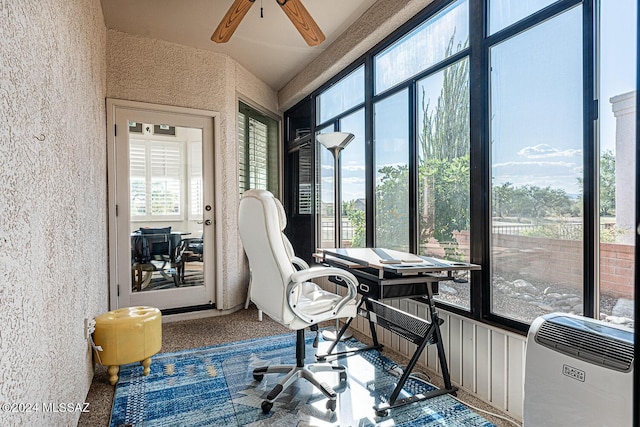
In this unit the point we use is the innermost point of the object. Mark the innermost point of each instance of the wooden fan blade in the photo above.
(231, 20)
(304, 23)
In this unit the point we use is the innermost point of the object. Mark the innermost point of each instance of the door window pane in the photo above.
(443, 183)
(503, 13)
(343, 95)
(441, 36)
(391, 144)
(617, 160)
(166, 184)
(353, 183)
(536, 167)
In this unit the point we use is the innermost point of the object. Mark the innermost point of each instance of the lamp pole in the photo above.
(337, 197)
(335, 143)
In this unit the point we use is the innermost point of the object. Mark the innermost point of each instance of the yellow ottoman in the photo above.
(127, 335)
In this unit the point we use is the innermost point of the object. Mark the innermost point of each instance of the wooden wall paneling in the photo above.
(483, 362)
(468, 341)
(515, 375)
(499, 370)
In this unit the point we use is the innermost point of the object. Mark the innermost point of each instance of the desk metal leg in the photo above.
(435, 319)
(432, 336)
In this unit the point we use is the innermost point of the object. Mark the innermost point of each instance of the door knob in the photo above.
(207, 222)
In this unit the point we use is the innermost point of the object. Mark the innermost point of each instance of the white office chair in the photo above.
(299, 263)
(287, 295)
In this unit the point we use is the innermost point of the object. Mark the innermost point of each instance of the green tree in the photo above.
(444, 170)
(530, 201)
(392, 208)
(443, 141)
(607, 184)
(358, 222)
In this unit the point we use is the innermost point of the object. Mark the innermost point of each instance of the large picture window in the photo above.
(391, 133)
(354, 205)
(537, 170)
(497, 132)
(438, 38)
(443, 171)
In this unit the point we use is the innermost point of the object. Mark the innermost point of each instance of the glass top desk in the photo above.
(388, 274)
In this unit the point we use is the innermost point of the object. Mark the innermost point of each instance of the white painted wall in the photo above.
(53, 226)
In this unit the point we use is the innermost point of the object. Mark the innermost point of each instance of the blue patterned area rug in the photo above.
(214, 386)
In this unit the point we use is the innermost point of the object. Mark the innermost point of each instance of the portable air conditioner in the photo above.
(578, 372)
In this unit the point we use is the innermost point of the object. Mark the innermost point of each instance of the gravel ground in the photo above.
(507, 303)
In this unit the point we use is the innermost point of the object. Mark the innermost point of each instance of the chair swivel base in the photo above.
(294, 372)
(332, 334)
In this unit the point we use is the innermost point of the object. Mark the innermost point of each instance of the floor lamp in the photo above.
(335, 142)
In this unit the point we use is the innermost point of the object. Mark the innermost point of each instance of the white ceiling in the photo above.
(270, 47)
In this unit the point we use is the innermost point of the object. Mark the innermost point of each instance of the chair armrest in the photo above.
(302, 276)
(302, 264)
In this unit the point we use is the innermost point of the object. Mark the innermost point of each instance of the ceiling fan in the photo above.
(299, 16)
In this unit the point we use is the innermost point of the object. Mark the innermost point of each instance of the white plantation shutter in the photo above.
(195, 179)
(258, 164)
(138, 177)
(155, 169)
(305, 175)
(253, 153)
(242, 163)
(258, 154)
(166, 164)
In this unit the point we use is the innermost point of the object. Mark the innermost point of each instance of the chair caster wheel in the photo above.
(331, 405)
(382, 413)
(266, 407)
(258, 377)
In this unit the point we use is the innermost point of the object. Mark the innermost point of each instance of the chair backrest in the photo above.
(261, 221)
(161, 243)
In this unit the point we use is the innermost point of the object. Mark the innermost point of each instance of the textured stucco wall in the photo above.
(384, 17)
(159, 72)
(53, 232)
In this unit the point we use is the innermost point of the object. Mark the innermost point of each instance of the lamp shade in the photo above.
(335, 140)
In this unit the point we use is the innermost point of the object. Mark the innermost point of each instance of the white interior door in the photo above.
(162, 176)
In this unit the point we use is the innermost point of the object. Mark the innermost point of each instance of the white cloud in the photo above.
(555, 174)
(542, 151)
(536, 164)
(353, 180)
(352, 167)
